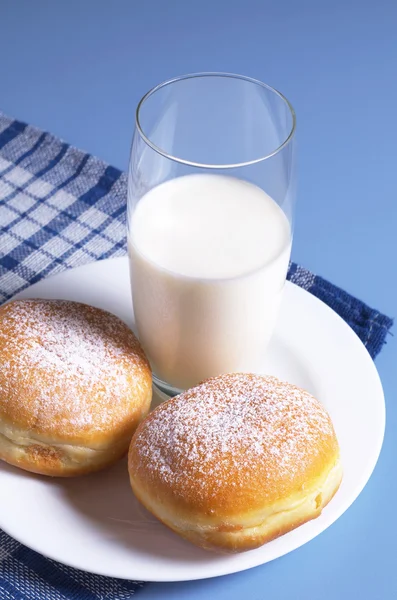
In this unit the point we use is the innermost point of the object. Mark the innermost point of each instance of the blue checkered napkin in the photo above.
(61, 208)
(26, 575)
(370, 325)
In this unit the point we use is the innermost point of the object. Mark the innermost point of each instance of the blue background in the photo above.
(78, 68)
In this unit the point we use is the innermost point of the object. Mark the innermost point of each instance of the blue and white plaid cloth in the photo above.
(61, 208)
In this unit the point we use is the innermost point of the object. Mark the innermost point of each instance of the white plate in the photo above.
(94, 523)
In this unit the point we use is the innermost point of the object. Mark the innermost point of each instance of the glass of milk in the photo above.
(210, 212)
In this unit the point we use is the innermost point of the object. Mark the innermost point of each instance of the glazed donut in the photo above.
(236, 461)
(74, 385)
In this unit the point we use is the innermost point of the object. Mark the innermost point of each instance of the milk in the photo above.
(209, 256)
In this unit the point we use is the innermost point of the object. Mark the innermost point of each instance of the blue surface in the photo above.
(78, 69)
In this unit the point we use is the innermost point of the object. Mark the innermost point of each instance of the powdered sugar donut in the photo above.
(236, 461)
(74, 384)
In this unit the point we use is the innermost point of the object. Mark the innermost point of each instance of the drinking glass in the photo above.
(211, 194)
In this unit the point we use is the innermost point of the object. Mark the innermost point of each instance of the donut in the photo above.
(236, 461)
(74, 385)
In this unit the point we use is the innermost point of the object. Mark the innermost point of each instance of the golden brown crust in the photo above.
(236, 461)
(59, 461)
(233, 539)
(74, 384)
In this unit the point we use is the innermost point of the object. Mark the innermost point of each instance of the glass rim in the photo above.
(190, 163)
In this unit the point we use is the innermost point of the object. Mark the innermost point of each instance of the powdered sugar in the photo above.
(70, 362)
(231, 425)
